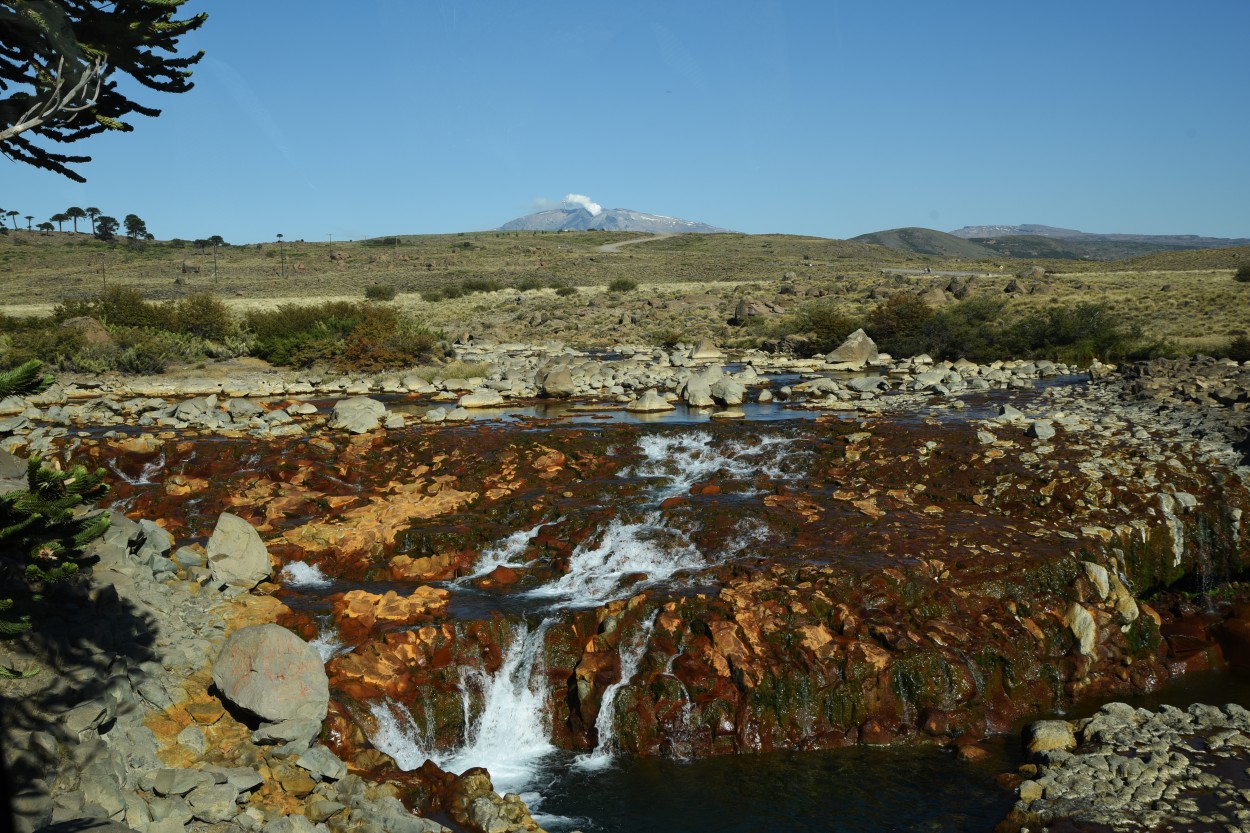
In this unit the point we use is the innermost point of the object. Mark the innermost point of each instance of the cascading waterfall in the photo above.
(507, 714)
(632, 652)
(508, 732)
(150, 470)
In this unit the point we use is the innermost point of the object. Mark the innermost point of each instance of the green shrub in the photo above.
(1242, 275)
(528, 283)
(118, 306)
(350, 336)
(204, 316)
(1239, 348)
(566, 291)
(473, 285)
(379, 292)
(432, 296)
(825, 326)
(668, 338)
(622, 285)
(897, 325)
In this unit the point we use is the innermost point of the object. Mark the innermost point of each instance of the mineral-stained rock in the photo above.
(236, 555)
(359, 611)
(1049, 735)
(272, 673)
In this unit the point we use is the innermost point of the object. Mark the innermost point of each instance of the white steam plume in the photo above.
(585, 202)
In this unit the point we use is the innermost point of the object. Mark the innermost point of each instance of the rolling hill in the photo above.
(924, 241)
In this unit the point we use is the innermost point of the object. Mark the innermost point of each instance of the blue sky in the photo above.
(377, 117)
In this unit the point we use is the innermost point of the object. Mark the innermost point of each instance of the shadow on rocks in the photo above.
(94, 652)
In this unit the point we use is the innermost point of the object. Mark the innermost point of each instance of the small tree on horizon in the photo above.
(93, 213)
(29, 217)
(13, 215)
(136, 229)
(75, 213)
(60, 219)
(45, 227)
(105, 227)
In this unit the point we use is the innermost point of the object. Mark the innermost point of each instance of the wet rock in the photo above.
(272, 673)
(649, 402)
(1079, 621)
(236, 554)
(1049, 735)
(481, 398)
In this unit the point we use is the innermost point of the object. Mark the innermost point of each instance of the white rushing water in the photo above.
(627, 548)
(508, 729)
(632, 651)
(328, 642)
(678, 461)
(505, 553)
(150, 470)
(508, 713)
(299, 575)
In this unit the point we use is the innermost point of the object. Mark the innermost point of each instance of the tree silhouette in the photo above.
(13, 215)
(75, 213)
(45, 227)
(136, 229)
(105, 227)
(59, 219)
(93, 212)
(58, 61)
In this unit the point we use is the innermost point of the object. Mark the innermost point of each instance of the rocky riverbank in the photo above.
(127, 719)
(943, 548)
(1127, 769)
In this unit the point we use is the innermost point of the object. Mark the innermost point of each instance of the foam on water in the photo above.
(626, 548)
(679, 460)
(509, 734)
(300, 575)
(328, 642)
(150, 470)
(507, 552)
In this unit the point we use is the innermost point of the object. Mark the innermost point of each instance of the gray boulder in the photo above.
(481, 398)
(236, 555)
(857, 349)
(706, 349)
(867, 384)
(272, 673)
(358, 415)
(559, 383)
(649, 402)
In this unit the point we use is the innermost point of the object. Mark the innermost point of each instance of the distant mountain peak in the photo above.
(579, 218)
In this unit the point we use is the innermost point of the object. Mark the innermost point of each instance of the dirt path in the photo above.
(616, 247)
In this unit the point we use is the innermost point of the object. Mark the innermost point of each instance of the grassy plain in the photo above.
(688, 285)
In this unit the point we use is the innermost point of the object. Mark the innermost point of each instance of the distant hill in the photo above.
(579, 218)
(1030, 240)
(1232, 257)
(926, 241)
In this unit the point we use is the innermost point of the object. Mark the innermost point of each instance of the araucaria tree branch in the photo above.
(58, 62)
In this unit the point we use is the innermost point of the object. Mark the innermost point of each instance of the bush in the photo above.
(349, 336)
(566, 291)
(825, 326)
(204, 316)
(379, 292)
(897, 325)
(1239, 349)
(1242, 274)
(622, 285)
(526, 284)
(118, 306)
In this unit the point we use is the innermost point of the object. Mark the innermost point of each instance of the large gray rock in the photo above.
(706, 349)
(236, 555)
(698, 393)
(273, 674)
(358, 415)
(481, 398)
(559, 383)
(858, 349)
(649, 402)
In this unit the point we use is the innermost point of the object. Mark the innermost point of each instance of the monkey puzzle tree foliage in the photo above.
(58, 63)
(75, 213)
(105, 227)
(136, 229)
(42, 529)
(93, 212)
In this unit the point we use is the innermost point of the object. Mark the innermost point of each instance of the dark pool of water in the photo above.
(854, 790)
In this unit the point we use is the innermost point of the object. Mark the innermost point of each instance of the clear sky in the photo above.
(833, 118)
